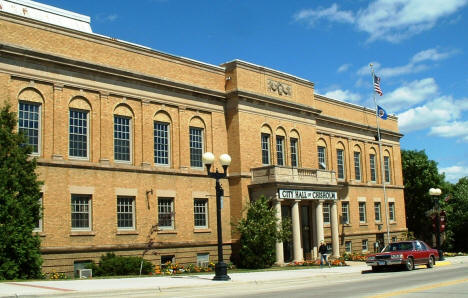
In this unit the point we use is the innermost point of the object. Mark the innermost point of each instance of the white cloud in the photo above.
(413, 66)
(390, 20)
(332, 13)
(454, 173)
(344, 67)
(451, 130)
(410, 94)
(106, 17)
(439, 114)
(343, 95)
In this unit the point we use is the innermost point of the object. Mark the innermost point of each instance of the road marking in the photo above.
(40, 287)
(423, 288)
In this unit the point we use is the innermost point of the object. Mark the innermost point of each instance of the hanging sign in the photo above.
(298, 194)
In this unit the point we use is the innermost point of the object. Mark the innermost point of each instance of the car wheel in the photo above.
(409, 264)
(430, 263)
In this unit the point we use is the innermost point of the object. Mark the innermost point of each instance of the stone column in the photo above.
(319, 222)
(296, 227)
(279, 245)
(334, 231)
(312, 216)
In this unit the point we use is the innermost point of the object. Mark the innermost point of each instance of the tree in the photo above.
(456, 207)
(419, 175)
(259, 234)
(19, 204)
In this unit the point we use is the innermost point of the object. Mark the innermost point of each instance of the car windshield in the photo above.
(398, 246)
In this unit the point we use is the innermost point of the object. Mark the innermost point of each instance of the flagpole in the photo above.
(381, 159)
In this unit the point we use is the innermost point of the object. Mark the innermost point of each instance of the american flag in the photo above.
(377, 85)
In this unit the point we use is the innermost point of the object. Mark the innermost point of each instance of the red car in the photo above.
(406, 254)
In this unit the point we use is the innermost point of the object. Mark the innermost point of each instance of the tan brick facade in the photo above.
(62, 70)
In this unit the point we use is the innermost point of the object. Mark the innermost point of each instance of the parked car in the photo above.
(406, 254)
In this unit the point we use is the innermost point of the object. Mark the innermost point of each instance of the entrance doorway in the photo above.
(287, 245)
(305, 231)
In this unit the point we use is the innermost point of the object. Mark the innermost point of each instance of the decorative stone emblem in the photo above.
(278, 87)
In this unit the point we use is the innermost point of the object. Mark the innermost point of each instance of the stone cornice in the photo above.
(273, 101)
(372, 129)
(121, 73)
(349, 105)
(109, 41)
(257, 68)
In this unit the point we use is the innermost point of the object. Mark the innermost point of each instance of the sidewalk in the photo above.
(62, 287)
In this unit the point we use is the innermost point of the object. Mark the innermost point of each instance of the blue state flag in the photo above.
(381, 112)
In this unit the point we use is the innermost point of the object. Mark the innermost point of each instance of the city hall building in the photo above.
(119, 130)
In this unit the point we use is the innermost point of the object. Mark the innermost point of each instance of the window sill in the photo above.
(202, 230)
(363, 224)
(127, 232)
(167, 232)
(82, 233)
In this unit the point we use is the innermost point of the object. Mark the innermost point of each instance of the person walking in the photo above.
(323, 254)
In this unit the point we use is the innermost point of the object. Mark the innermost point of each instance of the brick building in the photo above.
(118, 131)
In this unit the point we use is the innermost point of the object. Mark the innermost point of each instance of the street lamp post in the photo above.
(225, 159)
(435, 193)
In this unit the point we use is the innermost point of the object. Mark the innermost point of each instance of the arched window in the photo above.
(280, 147)
(30, 118)
(197, 142)
(162, 138)
(266, 145)
(387, 166)
(357, 163)
(340, 161)
(372, 165)
(78, 128)
(294, 148)
(123, 116)
(322, 154)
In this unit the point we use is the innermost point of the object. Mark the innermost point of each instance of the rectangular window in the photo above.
(294, 156)
(372, 167)
(391, 210)
(280, 150)
(166, 259)
(161, 143)
(394, 239)
(265, 149)
(126, 213)
(166, 213)
(121, 138)
(340, 161)
(377, 211)
(203, 259)
(321, 158)
(29, 124)
(345, 212)
(387, 168)
(364, 245)
(326, 213)
(357, 165)
(196, 147)
(200, 213)
(38, 227)
(81, 212)
(78, 134)
(362, 212)
(348, 247)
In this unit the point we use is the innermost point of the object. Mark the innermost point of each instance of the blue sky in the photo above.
(419, 48)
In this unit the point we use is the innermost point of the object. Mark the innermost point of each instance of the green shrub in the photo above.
(259, 234)
(111, 265)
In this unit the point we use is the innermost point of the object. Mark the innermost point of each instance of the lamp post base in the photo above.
(221, 271)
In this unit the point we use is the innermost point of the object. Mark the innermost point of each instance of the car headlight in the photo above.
(400, 256)
(371, 258)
